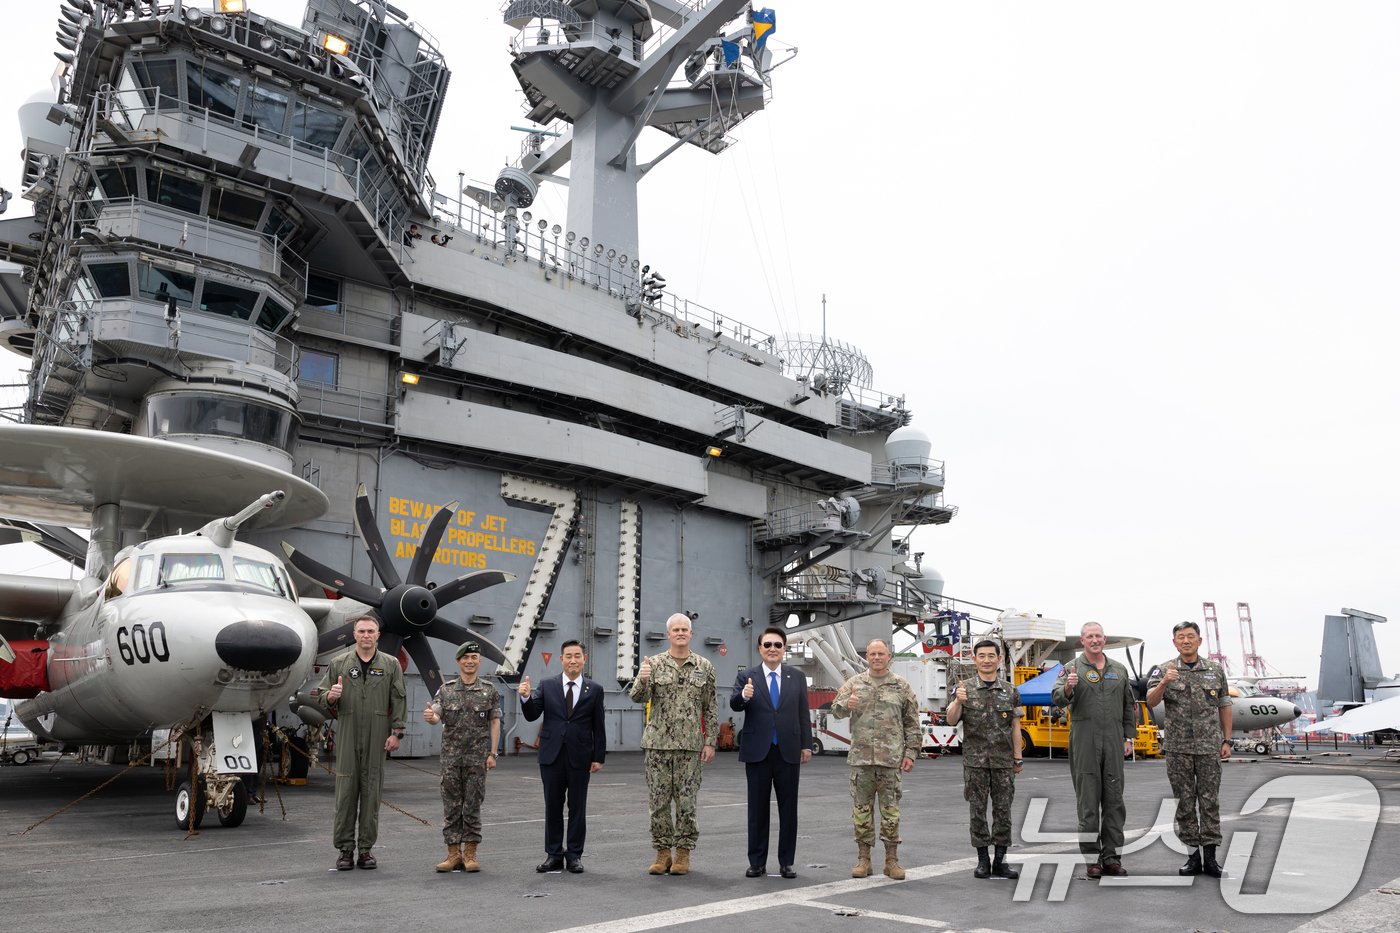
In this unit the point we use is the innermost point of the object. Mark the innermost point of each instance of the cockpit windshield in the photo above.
(261, 574)
(179, 568)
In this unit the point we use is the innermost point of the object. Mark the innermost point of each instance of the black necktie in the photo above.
(569, 700)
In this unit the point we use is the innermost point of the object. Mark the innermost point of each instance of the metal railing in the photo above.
(350, 321)
(138, 219)
(908, 472)
(194, 334)
(147, 110)
(319, 402)
(800, 519)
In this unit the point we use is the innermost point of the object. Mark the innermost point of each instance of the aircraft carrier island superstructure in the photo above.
(236, 243)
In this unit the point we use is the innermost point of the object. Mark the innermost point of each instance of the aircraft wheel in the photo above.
(239, 810)
(1261, 748)
(20, 757)
(817, 747)
(185, 798)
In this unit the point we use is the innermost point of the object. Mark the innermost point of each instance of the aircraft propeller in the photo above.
(408, 609)
(1138, 681)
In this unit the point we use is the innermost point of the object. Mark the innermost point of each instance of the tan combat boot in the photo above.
(862, 869)
(892, 868)
(662, 863)
(469, 862)
(682, 863)
(453, 860)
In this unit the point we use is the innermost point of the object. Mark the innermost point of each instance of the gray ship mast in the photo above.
(601, 71)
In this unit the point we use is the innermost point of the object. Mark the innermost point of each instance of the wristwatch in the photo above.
(398, 733)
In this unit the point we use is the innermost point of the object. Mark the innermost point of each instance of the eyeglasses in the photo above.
(771, 644)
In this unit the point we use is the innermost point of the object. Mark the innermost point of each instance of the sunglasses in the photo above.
(771, 644)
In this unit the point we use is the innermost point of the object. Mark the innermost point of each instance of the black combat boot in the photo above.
(999, 867)
(1209, 865)
(1193, 864)
(984, 864)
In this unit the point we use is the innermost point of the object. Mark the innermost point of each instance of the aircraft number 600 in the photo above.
(137, 646)
(1261, 709)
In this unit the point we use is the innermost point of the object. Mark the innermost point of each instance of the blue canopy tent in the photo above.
(1036, 691)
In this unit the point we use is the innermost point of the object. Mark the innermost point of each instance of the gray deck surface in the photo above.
(116, 861)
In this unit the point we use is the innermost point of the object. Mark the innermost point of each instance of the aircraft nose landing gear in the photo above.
(210, 789)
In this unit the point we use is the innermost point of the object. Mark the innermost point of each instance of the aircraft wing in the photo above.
(1362, 719)
(30, 602)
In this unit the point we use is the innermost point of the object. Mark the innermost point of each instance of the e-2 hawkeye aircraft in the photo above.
(1251, 709)
(197, 631)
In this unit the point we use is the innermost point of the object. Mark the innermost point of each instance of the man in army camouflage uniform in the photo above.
(470, 710)
(1197, 723)
(364, 693)
(885, 740)
(990, 711)
(1102, 726)
(679, 737)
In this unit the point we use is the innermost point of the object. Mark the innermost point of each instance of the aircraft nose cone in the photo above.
(256, 645)
(1297, 711)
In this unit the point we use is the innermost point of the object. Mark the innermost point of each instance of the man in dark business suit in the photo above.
(573, 745)
(774, 744)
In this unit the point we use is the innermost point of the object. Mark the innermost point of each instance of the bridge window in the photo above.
(272, 315)
(227, 300)
(317, 367)
(183, 194)
(213, 89)
(323, 293)
(161, 79)
(226, 416)
(118, 181)
(112, 279)
(316, 125)
(278, 224)
(266, 109)
(233, 208)
(160, 284)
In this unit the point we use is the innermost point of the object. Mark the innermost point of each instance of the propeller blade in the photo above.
(456, 633)
(473, 582)
(374, 544)
(423, 658)
(427, 548)
(328, 578)
(342, 636)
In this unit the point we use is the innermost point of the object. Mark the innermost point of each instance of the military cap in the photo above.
(468, 647)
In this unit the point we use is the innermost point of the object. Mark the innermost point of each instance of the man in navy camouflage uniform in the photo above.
(470, 710)
(1197, 722)
(990, 711)
(679, 738)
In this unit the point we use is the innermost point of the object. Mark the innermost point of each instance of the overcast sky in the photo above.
(1132, 266)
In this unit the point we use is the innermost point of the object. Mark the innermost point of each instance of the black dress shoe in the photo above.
(756, 872)
(575, 866)
(787, 872)
(553, 863)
